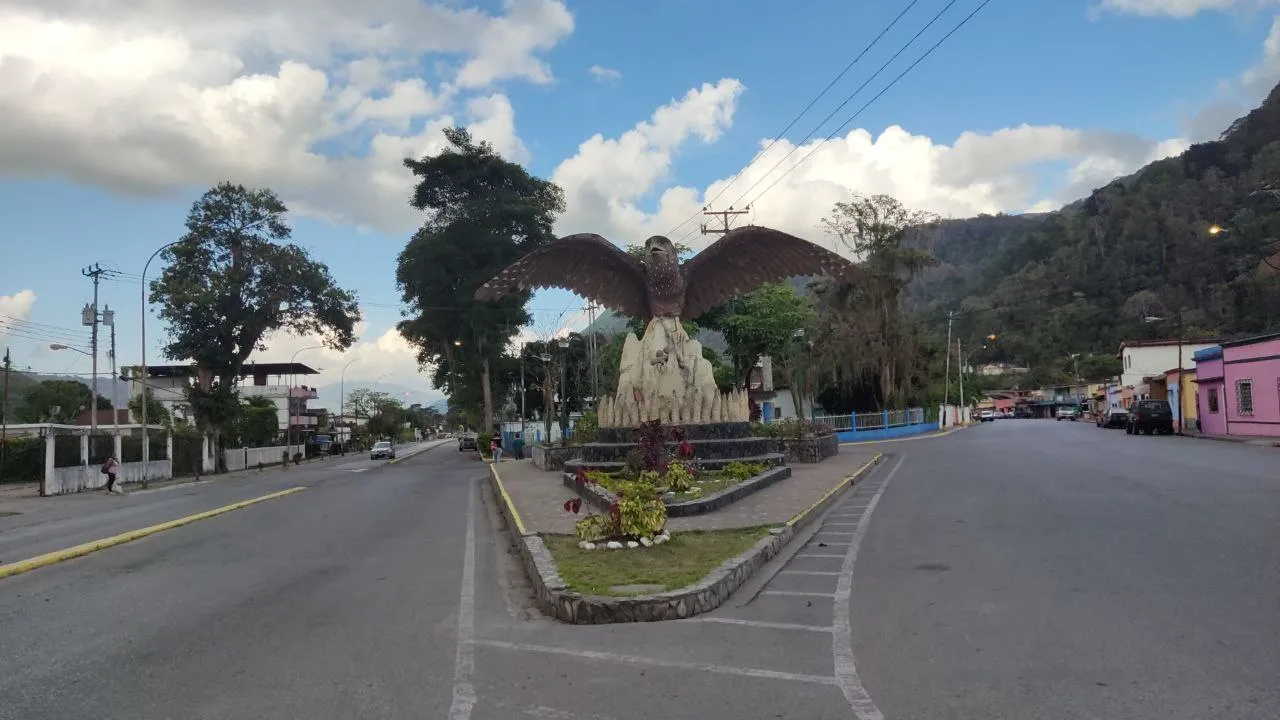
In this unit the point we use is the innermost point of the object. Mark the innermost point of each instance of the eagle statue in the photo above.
(664, 376)
(659, 285)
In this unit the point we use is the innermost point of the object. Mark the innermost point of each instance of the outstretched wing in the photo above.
(745, 258)
(585, 264)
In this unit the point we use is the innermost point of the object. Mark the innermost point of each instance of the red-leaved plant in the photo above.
(685, 450)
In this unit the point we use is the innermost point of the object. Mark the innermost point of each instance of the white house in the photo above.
(1142, 359)
(168, 385)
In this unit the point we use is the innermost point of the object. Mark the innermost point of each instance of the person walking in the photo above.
(109, 469)
(517, 446)
(496, 450)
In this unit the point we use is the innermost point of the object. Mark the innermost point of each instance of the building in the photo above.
(1239, 387)
(1180, 388)
(1142, 359)
(273, 381)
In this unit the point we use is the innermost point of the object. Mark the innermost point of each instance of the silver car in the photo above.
(381, 450)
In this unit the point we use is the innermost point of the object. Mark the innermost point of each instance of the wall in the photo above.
(1182, 397)
(1260, 363)
(1140, 362)
(79, 478)
(1209, 378)
(242, 458)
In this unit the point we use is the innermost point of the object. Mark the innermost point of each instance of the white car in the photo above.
(382, 449)
(987, 416)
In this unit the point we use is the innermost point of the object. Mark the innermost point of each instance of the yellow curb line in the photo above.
(843, 481)
(502, 490)
(926, 436)
(58, 556)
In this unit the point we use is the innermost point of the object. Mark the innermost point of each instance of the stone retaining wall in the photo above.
(554, 458)
(603, 498)
(555, 599)
(807, 450)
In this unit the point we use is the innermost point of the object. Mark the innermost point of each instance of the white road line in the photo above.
(760, 624)
(809, 572)
(656, 662)
(825, 555)
(797, 593)
(842, 634)
(547, 713)
(831, 524)
(464, 664)
(835, 532)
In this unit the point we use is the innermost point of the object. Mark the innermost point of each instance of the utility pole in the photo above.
(109, 319)
(724, 216)
(591, 350)
(946, 382)
(4, 427)
(960, 359)
(90, 317)
(1182, 403)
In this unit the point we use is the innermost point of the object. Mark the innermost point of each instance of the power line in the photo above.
(875, 97)
(801, 114)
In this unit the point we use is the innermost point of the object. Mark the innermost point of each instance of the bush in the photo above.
(587, 429)
(740, 471)
(482, 443)
(22, 460)
(679, 477)
(640, 512)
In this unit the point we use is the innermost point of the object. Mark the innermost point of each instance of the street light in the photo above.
(342, 398)
(293, 380)
(60, 346)
(146, 436)
(1181, 402)
(1216, 230)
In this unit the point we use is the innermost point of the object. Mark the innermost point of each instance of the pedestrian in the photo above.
(518, 446)
(496, 450)
(109, 469)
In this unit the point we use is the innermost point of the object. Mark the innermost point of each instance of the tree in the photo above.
(364, 403)
(258, 422)
(58, 401)
(485, 212)
(762, 322)
(157, 413)
(863, 333)
(232, 279)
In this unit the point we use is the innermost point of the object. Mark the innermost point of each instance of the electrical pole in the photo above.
(1182, 403)
(946, 382)
(4, 422)
(591, 349)
(724, 216)
(90, 317)
(109, 319)
(960, 359)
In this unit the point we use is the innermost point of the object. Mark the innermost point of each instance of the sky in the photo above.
(115, 117)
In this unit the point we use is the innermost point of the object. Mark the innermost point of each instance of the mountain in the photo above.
(1133, 260)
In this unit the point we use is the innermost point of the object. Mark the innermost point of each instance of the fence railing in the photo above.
(882, 420)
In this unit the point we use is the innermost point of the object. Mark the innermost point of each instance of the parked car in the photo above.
(466, 442)
(987, 416)
(1069, 412)
(1150, 417)
(1116, 417)
(382, 449)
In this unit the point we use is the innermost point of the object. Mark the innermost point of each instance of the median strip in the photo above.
(76, 551)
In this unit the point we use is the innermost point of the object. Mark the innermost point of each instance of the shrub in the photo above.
(23, 460)
(482, 443)
(587, 429)
(740, 471)
(639, 511)
(595, 528)
(679, 477)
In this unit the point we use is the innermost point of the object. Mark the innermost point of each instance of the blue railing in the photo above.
(858, 427)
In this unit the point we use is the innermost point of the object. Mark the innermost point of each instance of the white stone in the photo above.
(614, 545)
(660, 539)
(585, 545)
(633, 544)
(664, 376)
(646, 542)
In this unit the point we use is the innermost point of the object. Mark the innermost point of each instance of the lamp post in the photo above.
(342, 401)
(293, 380)
(1177, 319)
(146, 433)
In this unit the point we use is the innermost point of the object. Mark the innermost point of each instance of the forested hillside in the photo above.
(1083, 279)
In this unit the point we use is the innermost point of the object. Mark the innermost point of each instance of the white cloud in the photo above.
(18, 305)
(150, 98)
(384, 357)
(604, 74)
(1171, 8)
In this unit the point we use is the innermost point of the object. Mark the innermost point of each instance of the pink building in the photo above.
(1239, 387)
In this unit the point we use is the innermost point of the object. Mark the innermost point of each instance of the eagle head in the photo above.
(660, 249)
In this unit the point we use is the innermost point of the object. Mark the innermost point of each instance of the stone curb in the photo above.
(555, 599)
(1236, 440)
(603, 498)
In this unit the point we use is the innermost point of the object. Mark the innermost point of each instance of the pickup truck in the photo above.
(1069, 412)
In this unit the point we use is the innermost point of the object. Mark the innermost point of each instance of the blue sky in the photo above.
(1108, 88)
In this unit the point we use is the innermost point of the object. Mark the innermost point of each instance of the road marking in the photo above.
(464, 664)
(58, 556)
(842, 643)
(511, 506)
(655, 662)
(798, 593)
(357, 470)
(170, 487)
(857, 475)
(802, 554)
(839, 524)
(809, 572)
(760, 623)
(547, 713)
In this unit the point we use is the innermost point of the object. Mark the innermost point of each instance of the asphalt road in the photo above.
(1020, 569)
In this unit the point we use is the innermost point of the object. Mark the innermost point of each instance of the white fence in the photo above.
(242, 458)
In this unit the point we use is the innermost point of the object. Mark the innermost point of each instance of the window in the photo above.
(1244, 396)
(1213, 400)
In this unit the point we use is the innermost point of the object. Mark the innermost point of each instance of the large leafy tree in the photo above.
(863, 333)
(483, 213)
(157, 413)
(762, 322)
(232, 279)
(58, 401)
(258, 422)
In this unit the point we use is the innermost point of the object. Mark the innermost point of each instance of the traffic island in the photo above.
(712, 555)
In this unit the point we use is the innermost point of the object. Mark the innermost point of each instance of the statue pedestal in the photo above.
(714, 446)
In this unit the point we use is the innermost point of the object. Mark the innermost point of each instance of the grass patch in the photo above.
(684, 560)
